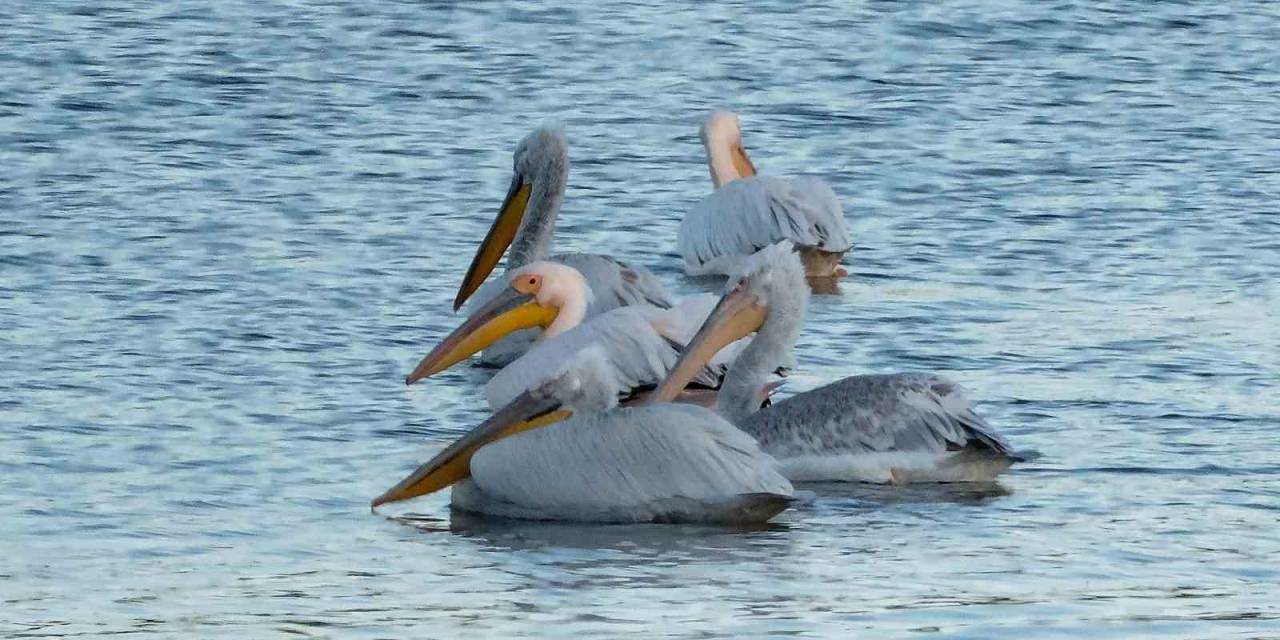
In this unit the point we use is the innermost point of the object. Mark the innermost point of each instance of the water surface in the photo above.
(227, 230)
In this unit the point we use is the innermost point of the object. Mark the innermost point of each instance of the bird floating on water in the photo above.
(895, 428)
(603, 463)
(747, 212)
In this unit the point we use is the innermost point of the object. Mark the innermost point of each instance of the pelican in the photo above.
(604, 463)
(526, 222)
(640, 342)
(897, 428)
(747, 212)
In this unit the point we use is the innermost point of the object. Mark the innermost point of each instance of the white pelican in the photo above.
(897, 428)
(640, 342)
(747, 212)
(526, 223)
(652, 463)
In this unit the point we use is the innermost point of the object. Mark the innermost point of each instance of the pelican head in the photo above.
(540, 294)
(767, 295)
(527, 215)
(585, 384)
(722, 139)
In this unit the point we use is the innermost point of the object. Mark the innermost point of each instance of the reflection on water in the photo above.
(824, 286)
(227, 232)
(525, 534)
(976, 493)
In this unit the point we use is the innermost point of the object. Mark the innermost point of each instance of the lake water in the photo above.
(227, 231)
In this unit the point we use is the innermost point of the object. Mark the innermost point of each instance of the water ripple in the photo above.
(226, 231)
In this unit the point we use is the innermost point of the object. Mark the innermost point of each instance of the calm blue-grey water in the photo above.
(228, 229)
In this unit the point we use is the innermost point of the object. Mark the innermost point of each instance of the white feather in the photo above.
(893, 467)
(636, 349)
(748, 214)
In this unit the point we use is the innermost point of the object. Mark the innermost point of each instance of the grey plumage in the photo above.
(770, 275)
(902, 412)
(542, 159)
(903, 427)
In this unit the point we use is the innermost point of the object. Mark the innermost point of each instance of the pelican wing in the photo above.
(615, 283)
(900, 413)
(749, 214)
(635, 348)
(641, 464)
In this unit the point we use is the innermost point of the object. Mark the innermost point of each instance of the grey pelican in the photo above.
(603, 463)
(747, 212)
(526, 223)
(895, 428)
(640, 342)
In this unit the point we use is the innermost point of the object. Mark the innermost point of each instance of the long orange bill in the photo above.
(736, 315)
(454, 462)
(497, 240)
(509, 312)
